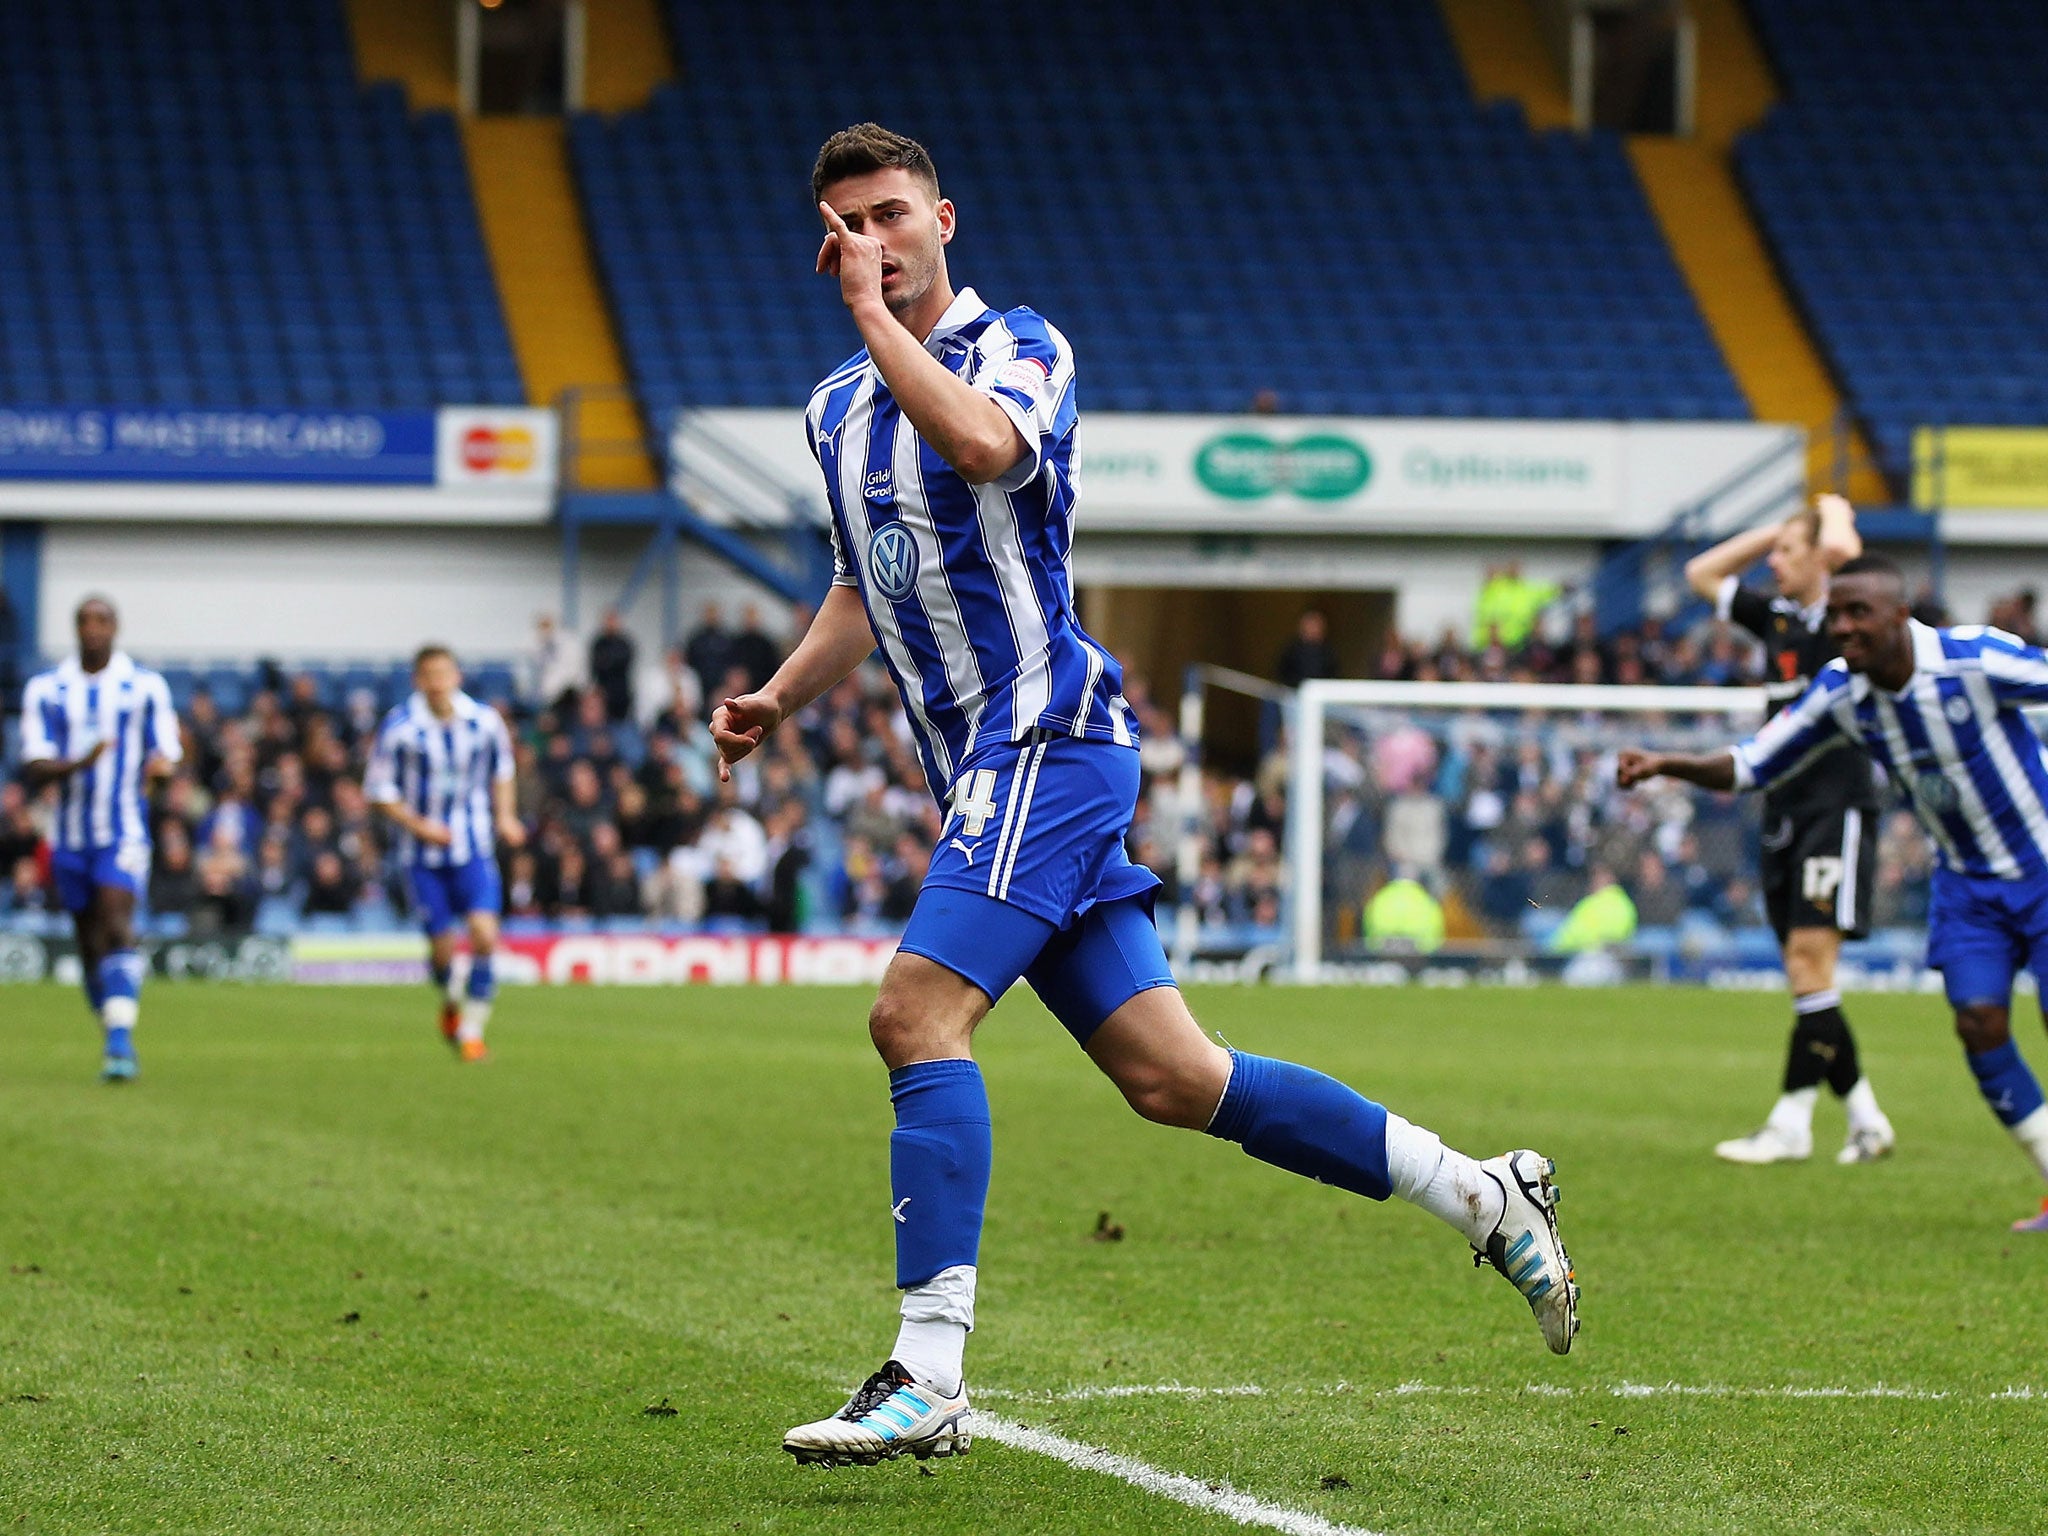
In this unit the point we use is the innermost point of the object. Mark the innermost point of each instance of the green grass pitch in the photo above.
(310, 1276)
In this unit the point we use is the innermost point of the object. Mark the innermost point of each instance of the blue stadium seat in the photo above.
(203, 206)
(1218, 199)
(1901, 184)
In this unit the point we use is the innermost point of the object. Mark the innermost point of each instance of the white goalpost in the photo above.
(1574, 723)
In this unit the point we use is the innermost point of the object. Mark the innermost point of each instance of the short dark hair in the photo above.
(870, 147)
(88, 600)
(427, 653)
(1872, 565)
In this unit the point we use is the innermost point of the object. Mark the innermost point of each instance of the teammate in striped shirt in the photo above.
(1939, 709)
(947, 448)
(441, 771)
(101, 730)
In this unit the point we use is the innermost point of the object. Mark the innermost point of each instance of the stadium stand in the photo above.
(207, 210)
(1346, 229)
(1902, 184)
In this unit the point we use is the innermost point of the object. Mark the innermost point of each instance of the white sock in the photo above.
(1861, 1104)
(931, 1344)
(458, 981)
(476, 1013)
(1793, 1113)
(1442, 1180)
(120, 1012)
(2032, 1135)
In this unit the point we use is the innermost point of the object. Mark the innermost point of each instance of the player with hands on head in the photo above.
(947, 449)
(101, 731)
(1819, 830)
(441, 772)
(1941, 711)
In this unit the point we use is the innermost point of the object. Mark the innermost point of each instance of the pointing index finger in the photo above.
(832, 220)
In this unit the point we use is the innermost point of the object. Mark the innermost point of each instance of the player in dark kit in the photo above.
(1820, 829)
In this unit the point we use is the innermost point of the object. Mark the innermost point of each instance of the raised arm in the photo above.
(964, 425)
(837, 641)
(1839, 541)
(1735, 554)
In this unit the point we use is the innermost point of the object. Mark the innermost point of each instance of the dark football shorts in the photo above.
(1818, 872)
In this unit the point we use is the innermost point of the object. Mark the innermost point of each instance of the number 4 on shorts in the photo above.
(974, 800)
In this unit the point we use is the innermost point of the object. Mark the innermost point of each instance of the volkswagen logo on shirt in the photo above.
(892, 561)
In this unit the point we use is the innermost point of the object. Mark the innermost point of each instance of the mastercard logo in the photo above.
(497, 450)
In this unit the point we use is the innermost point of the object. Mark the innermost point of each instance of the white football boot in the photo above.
(1525, 1247)
(1772, 1144)
(1867, 1143)
(891, 1415)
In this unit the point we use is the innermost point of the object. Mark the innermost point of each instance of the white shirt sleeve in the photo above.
(380, 780)
(501, 747)
(36, 745)
(1724, 596)
(165, 740)
(1029, 372)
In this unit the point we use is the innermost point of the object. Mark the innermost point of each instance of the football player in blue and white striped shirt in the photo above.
(1940, 710)
(442, 772)
(101, 730)
(947, 447)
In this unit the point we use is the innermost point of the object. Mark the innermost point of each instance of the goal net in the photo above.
(1466, 830)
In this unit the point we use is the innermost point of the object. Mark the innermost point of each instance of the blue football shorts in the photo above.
(444, 895)
(79, 872)
(1031, 881)
(1981, 931)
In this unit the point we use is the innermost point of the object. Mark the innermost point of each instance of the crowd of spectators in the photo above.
(265, 823)
(1506, 823)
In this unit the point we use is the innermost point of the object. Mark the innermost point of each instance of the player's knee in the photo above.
(1810, 959)
(109, 932)
(1982, 1026)
(903, 1032)
(1170, 1093)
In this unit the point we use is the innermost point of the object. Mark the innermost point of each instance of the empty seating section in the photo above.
(202, 207)
(1903, 186)
(1210, 200)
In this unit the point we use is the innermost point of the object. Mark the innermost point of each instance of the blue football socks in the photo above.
(483, 980)
(939, 1159)
(1309, 1124)
(119, 978)
(2007, 1083)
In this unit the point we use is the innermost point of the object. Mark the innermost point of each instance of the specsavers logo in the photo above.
(497, 450)
(1245, 466)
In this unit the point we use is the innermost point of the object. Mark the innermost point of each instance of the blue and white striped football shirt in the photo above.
(64, 711)
(1953, 740)
(442, 770)
(969, 588)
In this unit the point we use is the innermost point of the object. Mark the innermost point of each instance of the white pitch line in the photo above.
(1628, 1389)
(1216, 1497)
